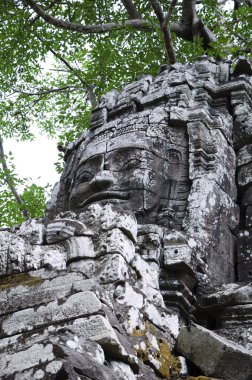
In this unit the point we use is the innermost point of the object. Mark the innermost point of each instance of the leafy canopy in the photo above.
(57, 98)
(52, 75)
(33, 197)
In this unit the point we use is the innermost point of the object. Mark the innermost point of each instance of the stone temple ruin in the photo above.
(142, 267)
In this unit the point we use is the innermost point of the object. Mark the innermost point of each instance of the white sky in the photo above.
(35, 159)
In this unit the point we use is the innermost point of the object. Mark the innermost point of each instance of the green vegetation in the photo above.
(18, 205)
(57, 58)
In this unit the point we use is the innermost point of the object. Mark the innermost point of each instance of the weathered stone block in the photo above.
(80, 247)
(87, 266)
(33, 231)
(58, 231)
(206, 67)
(113, 217)
(122, 370)
(147, 273)
(154, 97)
(149, 242)
(214, 355)
(208, 203)
(212, 157)
(17, 251)
(99, 117)
(41, 287)
(13, 252)
(245, 175)
(4, 245)
(23, 360)
(176, 253)
(62, 229)
(244, 155)
(158, 116)
(126, 295)
(176, 249)
(124, 104)
(98, 329)
(179, 115)
(76, 305)
(112, 268)
(115, 241)
(109, 99)
(91, 217)
(53, 257)
(241, 103)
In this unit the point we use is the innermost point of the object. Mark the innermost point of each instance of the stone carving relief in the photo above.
(134, 269)
(128, 167)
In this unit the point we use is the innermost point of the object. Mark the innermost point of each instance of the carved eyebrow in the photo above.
(133, 159)
(99, 158)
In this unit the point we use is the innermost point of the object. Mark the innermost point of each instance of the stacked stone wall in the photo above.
(145, 238)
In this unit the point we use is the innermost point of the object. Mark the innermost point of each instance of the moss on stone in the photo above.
(24, 279)
(149, 327)
(169, 365)
(139, 333)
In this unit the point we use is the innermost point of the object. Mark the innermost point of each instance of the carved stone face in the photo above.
(136, 171)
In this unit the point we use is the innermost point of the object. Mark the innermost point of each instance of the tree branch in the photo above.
(168, 15)
(28, 106)
(191, 25)
(163, 21)
(189, 16)
(131, 9)
(47, 8)
(187, 33)
(9, 182)
(158, 10)
(41, 13)
(88, 87)
(51, 90)
(87, 29)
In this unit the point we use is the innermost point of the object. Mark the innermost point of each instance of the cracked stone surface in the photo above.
(142, 264)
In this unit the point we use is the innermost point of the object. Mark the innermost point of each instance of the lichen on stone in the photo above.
(158, 356)
(24, 279)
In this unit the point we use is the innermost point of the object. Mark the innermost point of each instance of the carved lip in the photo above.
(105, 195)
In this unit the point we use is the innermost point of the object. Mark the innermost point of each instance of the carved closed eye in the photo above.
(85, 176)
(132, 164)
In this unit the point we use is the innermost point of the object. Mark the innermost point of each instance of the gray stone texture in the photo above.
(215, 355)
(147, 232)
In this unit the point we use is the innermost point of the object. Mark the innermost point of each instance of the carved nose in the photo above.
(102, 180)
